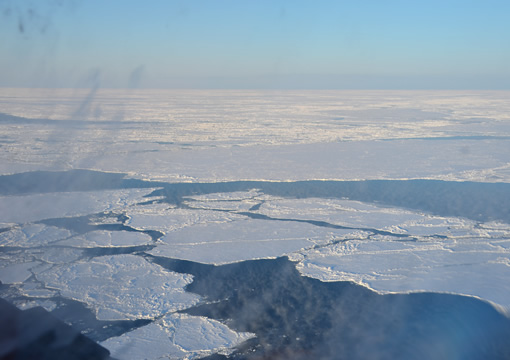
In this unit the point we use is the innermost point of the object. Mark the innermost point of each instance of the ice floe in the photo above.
(121, 287)
(175, 336)
(244, 239)
(172, 219)
(470, 266)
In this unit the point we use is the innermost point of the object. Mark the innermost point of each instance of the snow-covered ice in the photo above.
(426, 252)
(196, 137)
(230, 135)
(170, 219)
(469, 266)
(246, 239)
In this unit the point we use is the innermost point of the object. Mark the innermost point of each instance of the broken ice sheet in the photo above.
(121, 287)
(175, 336)
(375, 217)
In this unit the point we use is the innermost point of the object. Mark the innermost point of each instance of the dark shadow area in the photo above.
(37, 182)
(296, 317)
(36, 334)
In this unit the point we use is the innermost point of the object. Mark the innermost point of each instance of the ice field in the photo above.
(161, 223)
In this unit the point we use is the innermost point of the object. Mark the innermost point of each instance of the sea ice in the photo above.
(244, 239)
(172, 219)
(183, 136)
(45, 304)
(32, 235)
(56, 255)
(346, 213)
(30, 208)
(205, 136)
(16, 273)
(121, 287)
(469, 266)
(175, 336)
(103, 238)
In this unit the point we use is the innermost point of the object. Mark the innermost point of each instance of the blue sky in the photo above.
(294, 44)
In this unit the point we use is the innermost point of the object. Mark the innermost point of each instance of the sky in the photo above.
(294, 44)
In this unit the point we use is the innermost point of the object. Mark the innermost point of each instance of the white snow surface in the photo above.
(172, 219)
(178, 135)
(246, 239)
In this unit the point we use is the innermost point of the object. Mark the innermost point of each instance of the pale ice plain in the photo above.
(261, 224)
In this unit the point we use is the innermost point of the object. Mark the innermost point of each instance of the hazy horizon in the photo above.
(457, 45)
